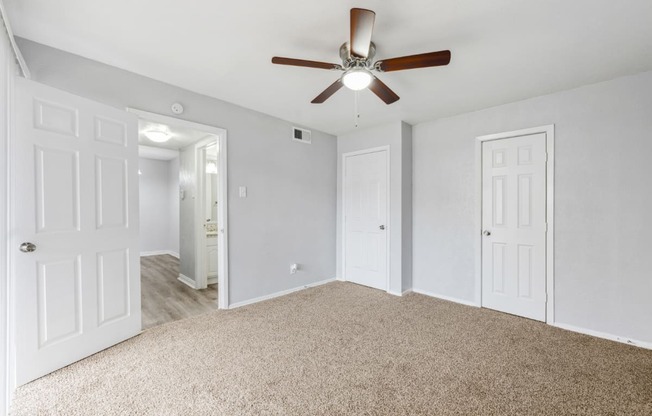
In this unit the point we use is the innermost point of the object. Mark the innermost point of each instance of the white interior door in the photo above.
(75, 198)
(514, 225)
(365, 219)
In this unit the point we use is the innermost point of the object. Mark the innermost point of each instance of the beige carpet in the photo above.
(342, 349)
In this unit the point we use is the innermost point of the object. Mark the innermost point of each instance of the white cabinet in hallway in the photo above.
(211, 253)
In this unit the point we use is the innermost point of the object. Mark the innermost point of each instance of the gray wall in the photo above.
(159, 204)
(398, 137)
(288, 216)
(603, 201)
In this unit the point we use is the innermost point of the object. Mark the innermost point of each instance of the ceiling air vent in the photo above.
(301, 135)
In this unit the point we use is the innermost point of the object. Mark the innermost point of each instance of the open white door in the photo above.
(75, 256)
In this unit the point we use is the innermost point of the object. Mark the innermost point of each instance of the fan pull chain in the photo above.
(356, 115)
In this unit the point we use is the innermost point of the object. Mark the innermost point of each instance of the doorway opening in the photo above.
(182, 175)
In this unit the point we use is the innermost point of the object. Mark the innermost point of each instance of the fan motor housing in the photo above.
(349, 61)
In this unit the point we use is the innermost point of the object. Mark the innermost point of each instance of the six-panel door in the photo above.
(514, 225)
(75, 197)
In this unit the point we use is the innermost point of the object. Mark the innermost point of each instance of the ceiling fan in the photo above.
(357, 55)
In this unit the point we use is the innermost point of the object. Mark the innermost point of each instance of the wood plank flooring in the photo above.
(164, 298)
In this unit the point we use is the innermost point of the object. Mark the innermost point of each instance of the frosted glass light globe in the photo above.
(357, 79)
(158, 136)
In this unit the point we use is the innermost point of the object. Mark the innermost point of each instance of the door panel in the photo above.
(365, 219)
(111, 192)
(113, 285)
(75, 196)
(57, 190)
(59, 300)
(514, 225)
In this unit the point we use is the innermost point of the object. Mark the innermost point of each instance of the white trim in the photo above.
(199, 150)
(549, 131)
(388, 228)
(223, 226)
(159, 253)
(405, 292)
(604, 335)
(211, 280)
(222, 208)
(10, 34)
(281, 293)
(550, 221)
(6, 299)
(446, 298)
(173, 121)
(187, 281)
(10, 275)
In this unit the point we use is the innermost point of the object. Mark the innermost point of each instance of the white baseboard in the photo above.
(604, 335)
(444, 297)
(211, 280)
(159, 253)
(277, 294)
(405, 292)
(572, 328)
(186, 280)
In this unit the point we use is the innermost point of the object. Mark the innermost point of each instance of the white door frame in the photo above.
(222, 212)
(388, 228)
(7, 325)
(549, 131)
(201, 274)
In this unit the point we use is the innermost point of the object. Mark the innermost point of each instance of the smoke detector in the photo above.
(177, 108)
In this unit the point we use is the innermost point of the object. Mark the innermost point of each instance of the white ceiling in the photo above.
(502, 50)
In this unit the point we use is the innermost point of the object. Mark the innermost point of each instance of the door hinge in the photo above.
(546, 227)
(546, 157)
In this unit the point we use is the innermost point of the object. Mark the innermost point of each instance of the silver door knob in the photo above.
(27, 247)
(382, 227)
(486, 233)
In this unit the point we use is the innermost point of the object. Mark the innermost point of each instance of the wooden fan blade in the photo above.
(415, 61)
(383, 91)
(362, 27)
(302, 62)
(332, 89)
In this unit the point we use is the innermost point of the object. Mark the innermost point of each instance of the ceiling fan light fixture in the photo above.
(157, 136)
(357, 79)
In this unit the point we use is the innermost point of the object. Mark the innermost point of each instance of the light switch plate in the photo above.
(243, 192)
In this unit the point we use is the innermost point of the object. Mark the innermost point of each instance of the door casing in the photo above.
(388, 227)
(222, 211)
(201, 279)
(549, 131)
(7, 381)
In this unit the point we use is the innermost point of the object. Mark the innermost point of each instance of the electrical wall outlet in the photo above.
(293, 268)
